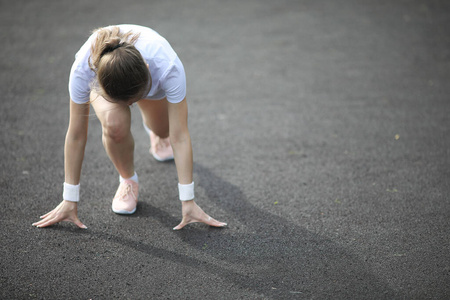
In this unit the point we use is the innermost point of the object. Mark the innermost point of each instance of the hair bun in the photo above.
(117, 46)
(107, 40)
(112, 44)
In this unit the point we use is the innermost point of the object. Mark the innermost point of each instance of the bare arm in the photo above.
(181, 141)
(76, 138)
(75, 144)
(182, 150)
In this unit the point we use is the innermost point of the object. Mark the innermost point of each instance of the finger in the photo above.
(48, 222)
(181, 225)
(207, 220)
(212, 222)
(47, 214)
(42, 221)
(79, 224)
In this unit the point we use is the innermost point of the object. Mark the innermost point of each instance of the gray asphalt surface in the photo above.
(321, 134)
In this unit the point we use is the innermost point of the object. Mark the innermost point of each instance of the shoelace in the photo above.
(125, 190)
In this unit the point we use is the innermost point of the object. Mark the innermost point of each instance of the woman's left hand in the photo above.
(192, 213)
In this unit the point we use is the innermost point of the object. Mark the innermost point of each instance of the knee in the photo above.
(115, 130)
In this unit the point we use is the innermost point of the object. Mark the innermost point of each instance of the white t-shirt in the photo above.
(166, 69)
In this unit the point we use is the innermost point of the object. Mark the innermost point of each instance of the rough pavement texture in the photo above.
(321, 134)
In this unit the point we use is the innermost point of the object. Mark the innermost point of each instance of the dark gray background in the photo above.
(321, 135)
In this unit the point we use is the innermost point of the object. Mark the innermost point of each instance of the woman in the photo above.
(116, 67)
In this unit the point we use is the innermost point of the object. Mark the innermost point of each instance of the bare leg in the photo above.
(156, 120)
(155, 116)
(117, 138)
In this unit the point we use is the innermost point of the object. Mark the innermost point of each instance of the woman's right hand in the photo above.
(65, 211)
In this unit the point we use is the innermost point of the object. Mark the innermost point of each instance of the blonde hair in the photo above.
(121, 71)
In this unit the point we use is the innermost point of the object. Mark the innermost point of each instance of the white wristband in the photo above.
(186, 191)
(71, 192)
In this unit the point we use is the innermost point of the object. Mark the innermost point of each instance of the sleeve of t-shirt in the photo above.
(79, 86)
(174, 82)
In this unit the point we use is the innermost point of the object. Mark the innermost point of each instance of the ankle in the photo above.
(134, 178)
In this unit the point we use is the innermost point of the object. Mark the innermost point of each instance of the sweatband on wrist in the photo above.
(71, 192)
(186, 191)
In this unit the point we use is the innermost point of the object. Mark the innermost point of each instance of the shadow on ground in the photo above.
(273, 257)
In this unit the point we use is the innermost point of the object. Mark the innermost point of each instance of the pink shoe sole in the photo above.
(124, 212)
(161, 159)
